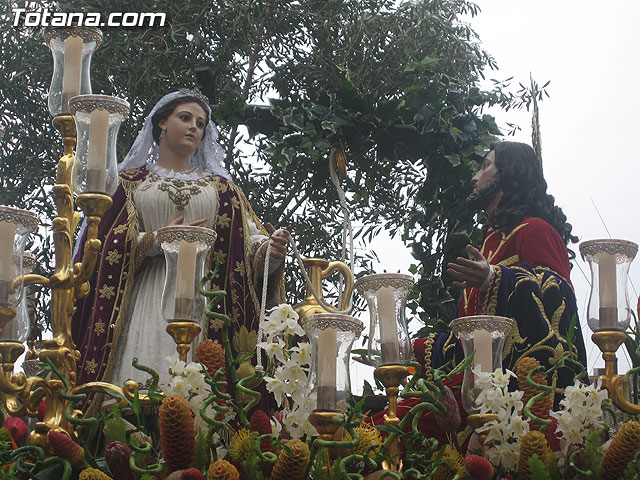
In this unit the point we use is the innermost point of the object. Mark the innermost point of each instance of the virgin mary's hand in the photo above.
(279, 243)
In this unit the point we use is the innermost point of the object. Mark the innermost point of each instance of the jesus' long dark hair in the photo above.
(519, 176)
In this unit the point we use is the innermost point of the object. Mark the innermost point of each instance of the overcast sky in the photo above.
(589, 51)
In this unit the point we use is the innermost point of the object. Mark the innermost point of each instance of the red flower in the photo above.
(192, 474)
(17, 428)
(260, 423)
(478, 467)
(117, 456)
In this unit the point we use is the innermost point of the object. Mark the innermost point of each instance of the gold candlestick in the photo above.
(391, 376)
(326, 425)
(608, 342)
(476, 421)
(183, 333)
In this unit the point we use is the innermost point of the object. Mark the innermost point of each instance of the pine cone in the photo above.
(177, 433)
(192, 474)
(533, 443)
(622, 450)
(291, 466)
(542, 407)
(65, 447)
(260, 423)
(93, 474)
(448, 470)
(117, 456)
(222, 470)
(478, 467)
(211, 355)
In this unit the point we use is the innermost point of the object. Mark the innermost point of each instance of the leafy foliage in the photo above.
(397, 85)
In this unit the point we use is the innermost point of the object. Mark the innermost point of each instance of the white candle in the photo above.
(327, 351)
(389, 344)
(7, 234)
(72, 73)
(483, 350)
(186, 269)
(97, 158)
(327, 361)
(607, 290)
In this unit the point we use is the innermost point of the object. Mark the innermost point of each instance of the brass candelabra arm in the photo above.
(614, 387)
(33, 279)
(129, 392)
(608, 342)
(94, 205)
(29, 391)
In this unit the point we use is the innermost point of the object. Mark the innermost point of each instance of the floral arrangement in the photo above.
(288, 371)
(205, 432)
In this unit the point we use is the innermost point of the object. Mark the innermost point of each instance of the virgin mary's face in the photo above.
(184, 128)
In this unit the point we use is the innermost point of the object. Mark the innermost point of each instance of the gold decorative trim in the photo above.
(492, 291)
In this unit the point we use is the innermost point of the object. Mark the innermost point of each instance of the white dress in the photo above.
(160, 198)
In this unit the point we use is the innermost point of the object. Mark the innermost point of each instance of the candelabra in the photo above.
(608, 311)
(331, 336)
(91, 122)
(483, 336)
(389, 345)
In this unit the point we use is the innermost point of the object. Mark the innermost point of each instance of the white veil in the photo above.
(208, 158)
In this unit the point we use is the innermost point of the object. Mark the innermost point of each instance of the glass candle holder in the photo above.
(18, 328)
(331, 336)
(72, 49)
(386, 294)
(484, 335)
(185, 252)
(609, 262)
(98, 119)
(15, 227)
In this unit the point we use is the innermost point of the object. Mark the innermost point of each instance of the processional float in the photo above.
(89, 125)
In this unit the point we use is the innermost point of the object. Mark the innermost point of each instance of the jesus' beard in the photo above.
(480, 199)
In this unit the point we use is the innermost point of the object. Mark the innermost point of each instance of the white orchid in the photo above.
(277, 387)
(274, 349)
(289, 367)
(503, 434)
(581, 413)
(301, 354)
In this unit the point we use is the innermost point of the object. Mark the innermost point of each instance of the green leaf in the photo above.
(538, 470)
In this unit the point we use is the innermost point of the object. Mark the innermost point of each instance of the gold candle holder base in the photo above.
(9, 354)
(6, 315)
(66, 125)
(183, 333)
(326, 426)
(391, 376)
(476, 421)
(94, 204)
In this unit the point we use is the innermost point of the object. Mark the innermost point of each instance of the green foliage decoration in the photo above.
(396, 83)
